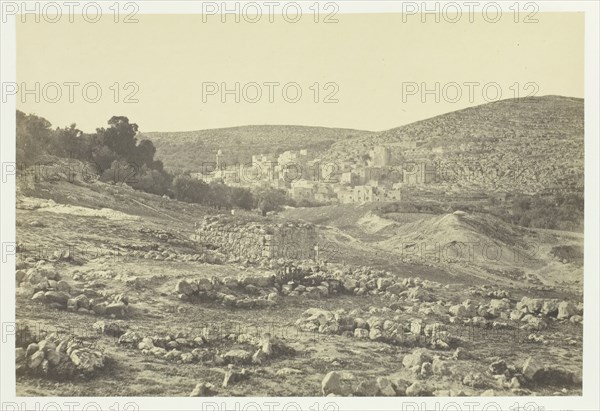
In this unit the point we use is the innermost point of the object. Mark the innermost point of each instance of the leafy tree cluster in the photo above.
(115, 151)
(118, 157)
(192, 190)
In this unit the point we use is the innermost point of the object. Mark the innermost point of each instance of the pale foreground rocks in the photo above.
(54, 357)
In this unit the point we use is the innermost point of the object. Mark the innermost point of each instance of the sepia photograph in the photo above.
(305, 204)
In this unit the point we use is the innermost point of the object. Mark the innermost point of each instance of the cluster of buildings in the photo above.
(307, 178)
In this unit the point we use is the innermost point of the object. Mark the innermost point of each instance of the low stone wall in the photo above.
(291, 241)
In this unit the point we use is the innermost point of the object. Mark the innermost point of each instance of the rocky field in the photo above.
(118, 294)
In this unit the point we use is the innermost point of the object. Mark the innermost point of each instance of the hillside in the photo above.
(530, 144)
(188, 150)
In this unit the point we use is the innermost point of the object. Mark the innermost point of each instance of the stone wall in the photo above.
(294, 241)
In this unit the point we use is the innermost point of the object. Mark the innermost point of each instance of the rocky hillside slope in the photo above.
(530, 144)
(187, 150)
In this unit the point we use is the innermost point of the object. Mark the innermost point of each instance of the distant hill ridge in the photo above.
(187, 150)
(541, 136)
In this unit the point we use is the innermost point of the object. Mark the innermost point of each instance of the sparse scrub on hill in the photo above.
(557, 212)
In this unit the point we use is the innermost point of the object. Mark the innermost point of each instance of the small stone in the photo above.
(146, 344)
(173, 355)
(57, 297)
(531, 369)
(36, 359)
(203, 389)
(38, 297)
(361, 333)
(183, 287)
(87, 360)
(237, 357)
(416, 358)
(187, 358)
(475, 380)
(514, 383)
(385, 387)
(31, 349)
(498, 367)
(158, 351)
(440, 367)
(460, 354)
(366, 389)
(232, 377)
(417, 389)
(566, 310)
(63, 286)
(426, 369)
(117, 310)
(332, 384)
(259, 357)
(288, 371)
(20, 354)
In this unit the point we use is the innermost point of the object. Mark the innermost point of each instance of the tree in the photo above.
(219, 195)
(270, 200)
(144, 154)
(34, 137)
(120, 137)
(242, 198)
(152, 181)
(191, 190)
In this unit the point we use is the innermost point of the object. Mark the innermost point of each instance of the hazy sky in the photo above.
(368, 57)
